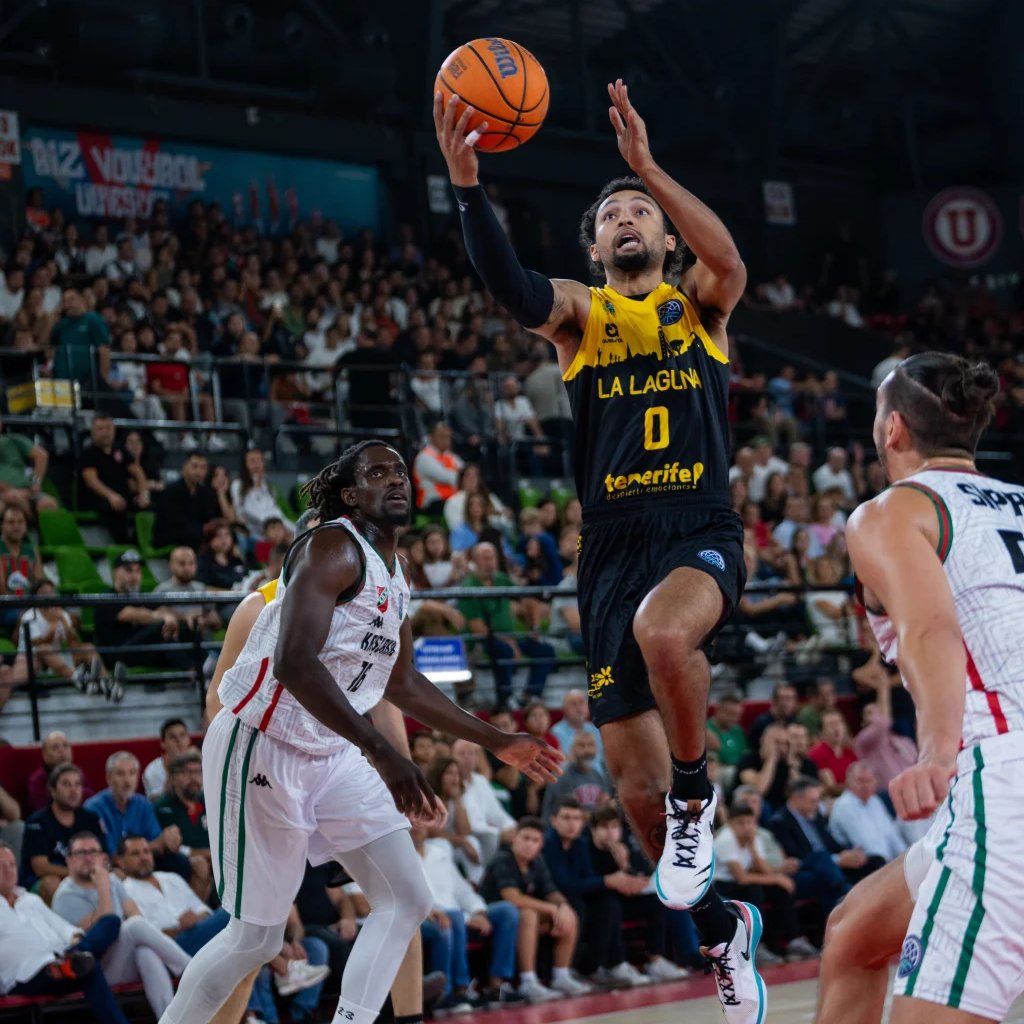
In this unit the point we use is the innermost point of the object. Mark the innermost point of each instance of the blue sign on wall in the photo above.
(441, 659)
(95, 175)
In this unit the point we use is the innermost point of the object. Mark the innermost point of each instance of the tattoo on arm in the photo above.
(558, 311)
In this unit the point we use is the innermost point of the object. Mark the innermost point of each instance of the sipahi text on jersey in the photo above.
(661, 380)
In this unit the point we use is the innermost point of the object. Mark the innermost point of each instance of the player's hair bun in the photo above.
(970, 389)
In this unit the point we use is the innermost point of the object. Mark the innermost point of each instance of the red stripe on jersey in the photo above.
(269, 713)
(992, 698)
(264, 665)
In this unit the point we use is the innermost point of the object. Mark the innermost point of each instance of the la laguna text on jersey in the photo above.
(649, 395)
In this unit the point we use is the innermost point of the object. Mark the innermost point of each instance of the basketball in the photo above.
(503, 83)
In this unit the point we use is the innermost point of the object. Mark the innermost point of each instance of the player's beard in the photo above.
(633, 262)
(396, 518)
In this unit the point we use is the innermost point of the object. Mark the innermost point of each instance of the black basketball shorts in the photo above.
(623, 557)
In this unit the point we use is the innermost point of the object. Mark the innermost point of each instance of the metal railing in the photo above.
(37, 684)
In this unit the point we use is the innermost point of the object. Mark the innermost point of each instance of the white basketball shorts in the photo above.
(965, 946)
(271, 807)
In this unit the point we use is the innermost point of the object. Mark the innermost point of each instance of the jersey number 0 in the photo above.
(656, 428)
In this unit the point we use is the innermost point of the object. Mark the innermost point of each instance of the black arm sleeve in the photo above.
(528, 296)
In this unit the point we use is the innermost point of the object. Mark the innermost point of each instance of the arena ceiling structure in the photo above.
(905, 92)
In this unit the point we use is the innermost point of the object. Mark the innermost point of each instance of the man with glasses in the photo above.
(41, 954)
(141, 951)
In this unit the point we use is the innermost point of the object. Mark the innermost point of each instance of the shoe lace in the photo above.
(686, 833)
(722, 970)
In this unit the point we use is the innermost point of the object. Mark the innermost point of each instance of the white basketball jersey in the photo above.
(981, 544)
(360, 651)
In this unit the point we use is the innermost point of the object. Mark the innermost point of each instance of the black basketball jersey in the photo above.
(649, 394)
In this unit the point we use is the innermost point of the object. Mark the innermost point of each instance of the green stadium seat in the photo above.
(144, 523)
(57, 528)
(50, 488)
(562, 495)
(529, 494)
(77, 571)
(148, 579)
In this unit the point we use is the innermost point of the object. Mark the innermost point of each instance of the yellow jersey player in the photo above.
(645, 363)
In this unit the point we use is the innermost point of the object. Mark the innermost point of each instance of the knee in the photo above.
(109, 926)
(47, 887)
(662, 638)
(528, 918)
(416, 897)
(504, 914)
(256, 943)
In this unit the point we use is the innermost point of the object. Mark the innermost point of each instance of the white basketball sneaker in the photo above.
(687, 864)
(741, 990)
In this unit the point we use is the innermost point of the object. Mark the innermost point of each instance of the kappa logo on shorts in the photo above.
(382, 599)
(261, 781)
(712, 557)
(670, 312)
(910, 957)
(600, 680)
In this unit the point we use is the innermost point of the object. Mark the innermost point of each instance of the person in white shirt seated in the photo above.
(174, 740)
(860, 818)
(141, 952)
(489, 823)
(167, 902)
(743, 873)
(832, 473)
(576, 718)
(41, 954)
(459, 909)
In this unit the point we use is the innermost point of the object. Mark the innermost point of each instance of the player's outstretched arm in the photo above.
(719, 277)
(892, 545)
(555, 309)
(327, 565)
(412, 692)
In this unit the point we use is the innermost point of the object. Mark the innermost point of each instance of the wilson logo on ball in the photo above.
(503, 84)
(506, 63)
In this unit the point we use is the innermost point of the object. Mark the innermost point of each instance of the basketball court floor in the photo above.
(791, 998)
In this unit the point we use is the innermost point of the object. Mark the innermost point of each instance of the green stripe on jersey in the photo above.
(929, 924)
(241, 824)
(949, 825)
(224, 803)
(977, 884)
(945, 541)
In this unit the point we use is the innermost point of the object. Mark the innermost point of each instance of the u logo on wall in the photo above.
(963, 227)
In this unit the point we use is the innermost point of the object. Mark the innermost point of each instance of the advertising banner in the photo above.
(101, 176)
(974, 234)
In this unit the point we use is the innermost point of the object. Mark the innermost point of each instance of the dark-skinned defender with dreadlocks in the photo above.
(646, 366)
(294, 768)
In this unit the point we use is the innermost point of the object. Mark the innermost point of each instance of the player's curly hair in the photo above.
(946, 401)
(324, 490)
(675, 262)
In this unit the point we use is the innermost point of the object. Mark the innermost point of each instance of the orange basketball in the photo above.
(505, 86)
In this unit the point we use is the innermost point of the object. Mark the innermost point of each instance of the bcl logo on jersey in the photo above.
(670, 312)
(963, 227)
(382, 599)
(910, 957)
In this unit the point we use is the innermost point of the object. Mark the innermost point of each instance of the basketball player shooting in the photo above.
(646, 366)
(295, 769)
(941, 559)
